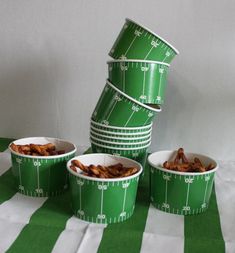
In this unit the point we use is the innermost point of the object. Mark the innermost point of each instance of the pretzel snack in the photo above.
(48, 149)
(100, 171)
(182, 164)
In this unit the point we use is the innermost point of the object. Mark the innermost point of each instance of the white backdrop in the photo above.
(53, 67)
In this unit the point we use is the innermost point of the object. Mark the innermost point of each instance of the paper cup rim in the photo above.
(104, 179)
(138, 60)
(114, 148)
(120, 143)
(182, 173)
(156, 35)
(132, 99)
(43, 157)
(118, 133)
(121, 128)
(120, 138)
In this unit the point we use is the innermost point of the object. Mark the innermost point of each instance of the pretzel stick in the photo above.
(113, 171)
(80, 165)
(210, 167)
(177, 158)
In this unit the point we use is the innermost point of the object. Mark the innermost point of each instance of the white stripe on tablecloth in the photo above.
(15, 213)
(5, 161)
(163, 232)
(225, 193)
(79, 236)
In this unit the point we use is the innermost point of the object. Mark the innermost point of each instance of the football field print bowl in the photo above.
(137, 153)
(144, 81)
(103, 200)
(120, 142)
(41, 176)
(118, 109)
(185, 193)
(106, 137)
(138, 42)
(109, 134)
(115, 130)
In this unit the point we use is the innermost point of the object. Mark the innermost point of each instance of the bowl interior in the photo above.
(59, 143)
(105, 160)
(157, 159)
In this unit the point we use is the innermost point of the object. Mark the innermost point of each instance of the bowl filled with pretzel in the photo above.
(181, 183)
(39, 165)
(103, 187)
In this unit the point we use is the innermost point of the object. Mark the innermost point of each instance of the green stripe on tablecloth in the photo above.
(4, 142)
(7, 186)
(127, 236)
(45, 226)
(203, 232)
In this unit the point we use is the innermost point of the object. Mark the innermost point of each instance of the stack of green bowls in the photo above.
(121, 123)
(130, 142)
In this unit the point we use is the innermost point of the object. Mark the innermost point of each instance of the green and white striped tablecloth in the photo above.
(31, 225)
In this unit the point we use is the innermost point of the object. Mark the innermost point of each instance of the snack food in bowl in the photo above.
(47, 149)
(181, 188)
(37, 170)
(112, 171)
(103, 187)
(181, 163)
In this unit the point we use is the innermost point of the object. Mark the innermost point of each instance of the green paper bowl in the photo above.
(103, 200)
(178, 192)
(121, 139)
(138, 153)
(120, 142)
(118, 135)
(144, 81)
(114, 144)
(41, 176)
(113, 130)
(138, 42)
(118, 109)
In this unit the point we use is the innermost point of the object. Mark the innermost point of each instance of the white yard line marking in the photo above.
(123, 81)
(205, 192)
(146, 121)
(107, 118)
(129, 118)
(124, 203)
(164, 58)
(130, 45)
(144, 81)
(124, 200)
(20, 174)
(80, 198)
(38, 179)
(166, 192)
(187, 194)
(148, 53)
(160, 85)
(102, 200)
